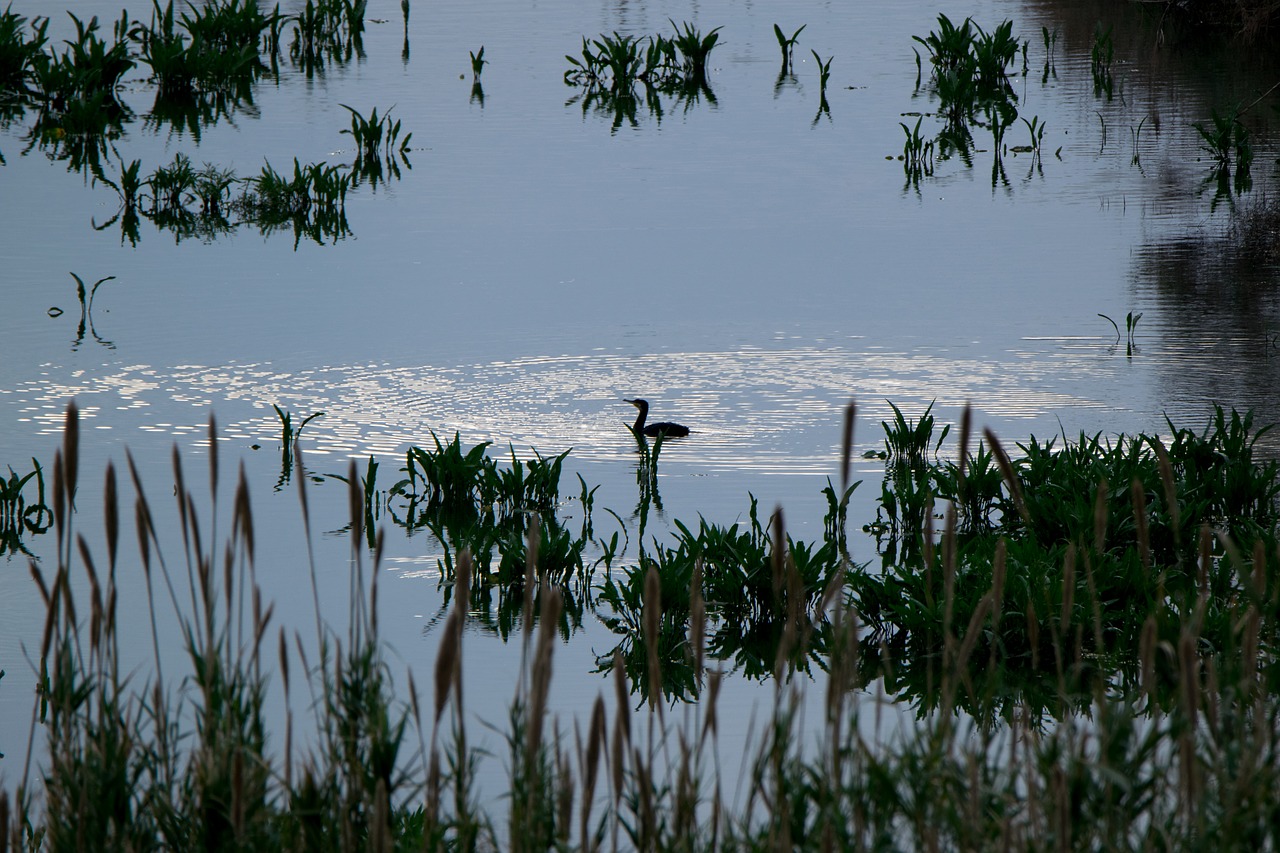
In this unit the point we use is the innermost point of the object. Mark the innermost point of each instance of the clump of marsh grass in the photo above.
(184, 763)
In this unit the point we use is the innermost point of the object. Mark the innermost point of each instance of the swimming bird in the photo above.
(662, 428)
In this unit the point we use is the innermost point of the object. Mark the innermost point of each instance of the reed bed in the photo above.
(1180, 752)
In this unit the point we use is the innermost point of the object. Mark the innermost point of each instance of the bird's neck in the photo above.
(644, 412)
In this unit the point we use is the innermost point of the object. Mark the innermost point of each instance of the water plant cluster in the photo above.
(1106, 545)
(611, 68)
(969, 75)
(22, 513)
(203, 202)
(1154, 724)
(206, 202)
(204, 62)
(1226, 139)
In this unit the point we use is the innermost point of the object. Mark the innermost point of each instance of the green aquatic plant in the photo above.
(316, 186)
(311, 201)
(1101, 57)
(327, 30)
(18, 50)
(755, 599)
(85, 296)
(212, 188)
(1099, 542)
(950, 47)
(695, 48)
(993, 52)
(917, 152)
(1050, 43)
(824, 73)
(376, 138)
(89, 67)
(1135, 135)
(171, 185)
(1131, 328)
(1050, 49)
(20, 516)
(787, 45)
(208, 49)
(621, 57)
(1224, 134)
(289, 435)
(969, 57)
(611, 67)
(969, 77)
(910, 441)
(1036, 129)
(447, 475)
(128, 184)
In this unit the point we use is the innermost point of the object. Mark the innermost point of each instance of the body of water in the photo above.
(748, 260)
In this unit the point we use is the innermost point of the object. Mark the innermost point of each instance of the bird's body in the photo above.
(665, 429)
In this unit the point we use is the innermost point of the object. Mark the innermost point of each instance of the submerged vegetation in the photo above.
(1122, 588)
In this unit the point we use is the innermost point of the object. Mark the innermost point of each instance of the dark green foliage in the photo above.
(917, 153)
(969, 76)
(1081, 545)
(694, 49)
(760, 599)
(787, 45)
(90, 67)
(20, 516)
(1224, 135)
(376, 138)
(611, 67)
(204, 50)
(502, 517)
(18, 50)
(201, 202)
(378, 145)
(327, 30)
(1100, 59)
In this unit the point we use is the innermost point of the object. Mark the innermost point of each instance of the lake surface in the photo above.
(749, 263)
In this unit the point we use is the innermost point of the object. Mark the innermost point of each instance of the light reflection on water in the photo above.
(751, 410)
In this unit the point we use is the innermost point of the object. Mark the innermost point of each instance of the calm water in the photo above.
(748, 264)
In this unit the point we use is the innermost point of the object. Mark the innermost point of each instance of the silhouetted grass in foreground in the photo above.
(1180, 752)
